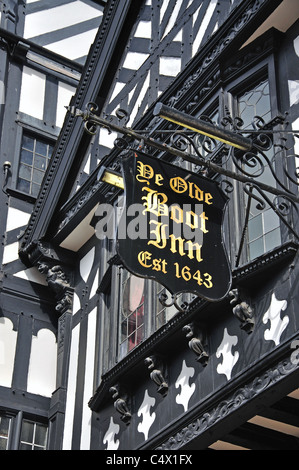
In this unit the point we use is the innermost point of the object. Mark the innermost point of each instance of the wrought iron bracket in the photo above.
(92, 121)
(247, 164)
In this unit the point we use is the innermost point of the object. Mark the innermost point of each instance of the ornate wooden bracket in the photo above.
(120, 404)
(156, 374)
(242, 310)
(197, 342)
(55, 265)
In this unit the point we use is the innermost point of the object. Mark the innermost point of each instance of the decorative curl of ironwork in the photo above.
(268, 155)
(163, 298)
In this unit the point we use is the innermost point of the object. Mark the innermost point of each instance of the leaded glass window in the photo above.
(34, 159)
(33, 436)
(4, 431)
(132, 312)
(263, 226)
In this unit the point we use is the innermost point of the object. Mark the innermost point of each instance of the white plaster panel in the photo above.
(10, 253)
(95, 285)
(148, 417)
(173, 16)
(52, 19)
(32, 275)
(71, 390)
(296, 45)
(204, 25)
(295, 127)
(32, 93)
(134, 60)
(65, 93)
(273, 318)
(86, 264)
(8, 341)
(293, 91)
(182, 383)
(16, 219)
(170, 66)
(144, 30)
(42, 364)
(88, 380)
(228, 358)
(74, 47)
(76, 303)
(2, 88)
(110, 436)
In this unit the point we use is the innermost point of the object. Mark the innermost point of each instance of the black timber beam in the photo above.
(254, 437)
(73, 141)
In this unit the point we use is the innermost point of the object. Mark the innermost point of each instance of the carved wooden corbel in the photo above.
(120, 404)
(59, 283)
(156, 374)
(197, 342)
(242, 310)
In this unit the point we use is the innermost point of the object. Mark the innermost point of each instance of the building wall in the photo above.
(38, 78)
(232, 351)
(80, 348)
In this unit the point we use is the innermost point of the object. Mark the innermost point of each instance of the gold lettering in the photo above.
(208, 196)
(155, 202)
(194, 247)
(173, 244)
(178, 184)
(145, 172)
(158, 178)
(160, 233)
(177, 214)
(159, 265)
(143, 257)
(203, 222)
(195, 192)
(194, 222)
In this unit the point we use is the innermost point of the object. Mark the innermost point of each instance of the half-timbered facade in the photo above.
(93, 355)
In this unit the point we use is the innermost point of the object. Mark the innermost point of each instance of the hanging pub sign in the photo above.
(170, 229)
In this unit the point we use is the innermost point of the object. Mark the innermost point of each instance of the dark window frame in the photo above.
(17, 418)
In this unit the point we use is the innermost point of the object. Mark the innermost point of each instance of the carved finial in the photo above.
(243, 311)
(120, 405)
(156, 375)
(196, 343)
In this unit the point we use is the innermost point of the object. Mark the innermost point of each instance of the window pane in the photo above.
(4, 426)
(33, 436)
(40, 435)
(272, 239)
(132, 312)
(256, 248)
(35, 189)
(25, 172)
(28, 142)
(34, 158)
(27, 431)
(255, 228)
(25, 446)
(40, 162)
(23, 185)
(4, 432)
(37, 176)
(41, 148)
(26, 157)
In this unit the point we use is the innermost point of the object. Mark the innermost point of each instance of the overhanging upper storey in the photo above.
(191, 91)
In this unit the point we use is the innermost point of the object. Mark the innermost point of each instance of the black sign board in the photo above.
(171, 228)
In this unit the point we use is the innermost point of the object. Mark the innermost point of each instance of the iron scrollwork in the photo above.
(268, 156)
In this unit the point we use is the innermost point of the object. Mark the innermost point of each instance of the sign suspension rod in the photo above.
(92, 119)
